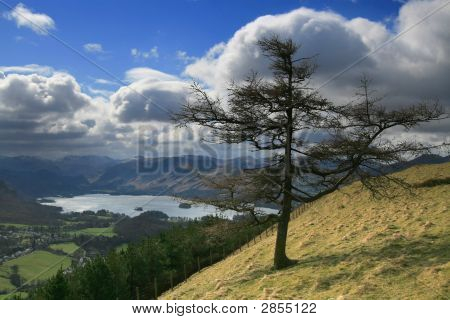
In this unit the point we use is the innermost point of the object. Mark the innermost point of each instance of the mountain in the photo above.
(35, 177)
(348, 246)
(89, 167)
(14, 209)
(74, 175)
(178, 175)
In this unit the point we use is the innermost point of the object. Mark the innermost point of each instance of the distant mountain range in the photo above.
(74, 175)
(35, 177)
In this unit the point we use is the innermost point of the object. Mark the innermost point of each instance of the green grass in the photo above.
(105, 232)
(38, 265)
(5, 284)
(67, 247)
(348, 246)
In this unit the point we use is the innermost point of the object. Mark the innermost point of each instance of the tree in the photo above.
(57, 288)
(273, 113)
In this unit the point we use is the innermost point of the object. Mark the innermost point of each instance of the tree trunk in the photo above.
(280, 259)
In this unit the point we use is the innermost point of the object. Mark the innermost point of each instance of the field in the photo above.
(67, 247)
(105, 232)
(5, 284)
(348, 246)
(38, 265)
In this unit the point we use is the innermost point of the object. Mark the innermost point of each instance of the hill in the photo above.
(35, 177)
(146, 224)
(15, 209)
(349, 246)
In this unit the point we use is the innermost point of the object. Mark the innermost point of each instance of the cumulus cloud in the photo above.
(40, 23)
(139, 54)
(412, 68)
(50, 115)
(26, 95)
(152, 95)
(93, 47)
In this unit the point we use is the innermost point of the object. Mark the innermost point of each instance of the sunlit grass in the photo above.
(349, 246)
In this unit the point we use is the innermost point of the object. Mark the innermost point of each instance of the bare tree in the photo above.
(272, 114)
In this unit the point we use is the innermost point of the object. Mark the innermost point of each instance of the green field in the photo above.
(5, 284)
(38, 265)
(105, 232)
(67, 247)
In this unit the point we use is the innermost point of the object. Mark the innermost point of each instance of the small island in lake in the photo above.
(184, 205)
(138, 209)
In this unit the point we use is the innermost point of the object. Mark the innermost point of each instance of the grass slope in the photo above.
(349, 246)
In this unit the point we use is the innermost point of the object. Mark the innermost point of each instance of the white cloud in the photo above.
(412, 68)
(50, 116)
(106, 82)
(148, 74)
(93, 47)
(151, 96)
(184, 57)
(151, 54)
(28, 69)
(40, 23)
(32, 95)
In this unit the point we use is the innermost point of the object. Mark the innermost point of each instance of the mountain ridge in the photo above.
(75, 175)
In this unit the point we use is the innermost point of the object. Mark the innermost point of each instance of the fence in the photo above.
(168, 280)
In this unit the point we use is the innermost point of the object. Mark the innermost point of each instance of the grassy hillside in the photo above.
(349, 246)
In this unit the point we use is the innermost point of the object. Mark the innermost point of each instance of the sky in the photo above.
(90, 77)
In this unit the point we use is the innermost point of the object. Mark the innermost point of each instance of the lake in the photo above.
(126, 204)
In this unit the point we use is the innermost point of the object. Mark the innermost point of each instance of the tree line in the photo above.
(153, 265)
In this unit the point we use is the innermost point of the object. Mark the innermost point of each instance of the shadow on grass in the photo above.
(422, 252)
(433, 182)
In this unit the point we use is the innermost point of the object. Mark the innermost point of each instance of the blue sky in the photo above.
(192, 26)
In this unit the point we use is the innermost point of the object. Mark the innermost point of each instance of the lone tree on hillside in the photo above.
(274, 114)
